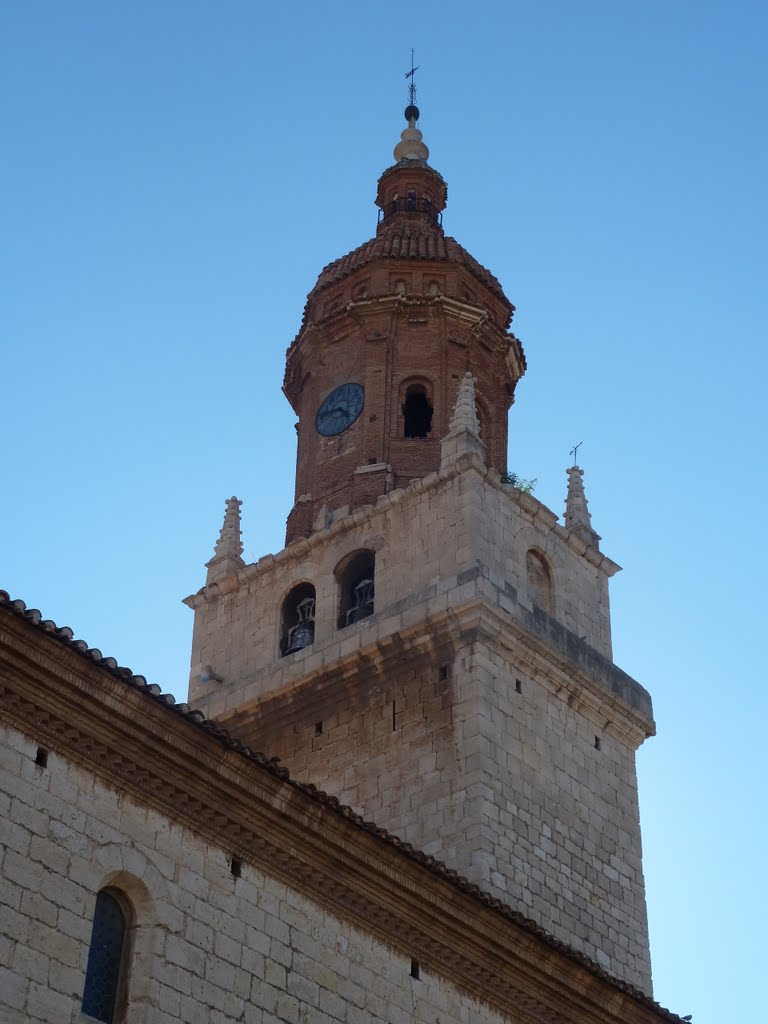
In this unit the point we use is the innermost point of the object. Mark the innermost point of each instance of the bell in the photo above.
(300, 636)
(363, 606)
(303, 633)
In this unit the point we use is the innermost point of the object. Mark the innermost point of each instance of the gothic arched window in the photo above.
(355, 575)
(106, 957)
(540, 581)
(417, 412)
(297, 622)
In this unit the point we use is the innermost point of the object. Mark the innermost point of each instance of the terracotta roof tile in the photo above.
(419, 242)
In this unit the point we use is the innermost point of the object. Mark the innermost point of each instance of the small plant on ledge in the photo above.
(513, 480)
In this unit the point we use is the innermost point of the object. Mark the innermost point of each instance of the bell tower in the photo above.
(388, 332)
(433, 645)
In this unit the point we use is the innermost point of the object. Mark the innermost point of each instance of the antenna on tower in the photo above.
(575, 451)
(412, 84)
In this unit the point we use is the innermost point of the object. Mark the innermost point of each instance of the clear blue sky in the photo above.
(174, 177)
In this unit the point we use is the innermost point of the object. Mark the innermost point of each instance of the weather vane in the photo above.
(412, 83)
(575, 451)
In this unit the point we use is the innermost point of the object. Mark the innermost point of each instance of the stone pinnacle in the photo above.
(463, 435)
(577, 517)
(228, 553)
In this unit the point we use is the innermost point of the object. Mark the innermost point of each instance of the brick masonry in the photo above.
(411, 307)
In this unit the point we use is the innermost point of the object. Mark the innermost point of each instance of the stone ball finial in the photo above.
(410, 146)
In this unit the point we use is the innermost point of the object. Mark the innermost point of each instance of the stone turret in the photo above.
(228, 553)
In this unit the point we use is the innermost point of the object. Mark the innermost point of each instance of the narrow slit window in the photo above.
(41, 757)
(105, 956)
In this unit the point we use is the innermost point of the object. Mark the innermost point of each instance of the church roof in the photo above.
(153, 692)
(415, 241)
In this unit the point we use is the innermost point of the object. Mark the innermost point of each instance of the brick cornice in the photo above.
(115, 727)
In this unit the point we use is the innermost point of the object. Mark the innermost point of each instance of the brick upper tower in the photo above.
(388, 332)
(432, 646)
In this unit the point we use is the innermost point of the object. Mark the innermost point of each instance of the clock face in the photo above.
(340, 409)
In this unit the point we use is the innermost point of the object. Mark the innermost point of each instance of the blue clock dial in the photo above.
(340, 409)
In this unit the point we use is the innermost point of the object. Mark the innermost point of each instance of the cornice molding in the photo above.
(622, 709)
(194, 773)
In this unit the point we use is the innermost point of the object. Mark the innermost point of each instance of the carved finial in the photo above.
(228, 553)
(465, 410)
(464, 429)
(411, 146)
(577, 517)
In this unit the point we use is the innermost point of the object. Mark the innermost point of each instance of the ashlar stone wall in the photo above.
(426, 539)
(208, 948)
(413, 717)
(560, 819)
(482, 763)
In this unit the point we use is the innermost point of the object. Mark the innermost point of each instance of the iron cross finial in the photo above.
(575, 451)
(412, 83)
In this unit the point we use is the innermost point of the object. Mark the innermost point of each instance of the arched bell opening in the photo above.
(297, 621)
(355, 576)
(417, 412)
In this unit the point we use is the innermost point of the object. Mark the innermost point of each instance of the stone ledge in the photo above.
(577, 672)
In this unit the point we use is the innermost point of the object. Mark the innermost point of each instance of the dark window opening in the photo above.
(236, 867)
(518, 686)
(318, 728)
(411, 203)
(417, 413)
(356, 576)
(443, 674)
(105, 956)
(597, 743)
(415, 969)
(41, 757)
(394, 716)
(298, 619)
